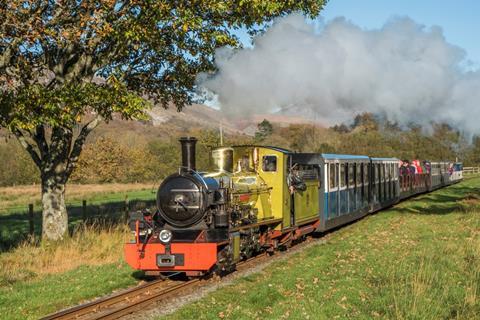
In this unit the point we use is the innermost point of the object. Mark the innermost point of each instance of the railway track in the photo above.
(135, 299)
(124, 302)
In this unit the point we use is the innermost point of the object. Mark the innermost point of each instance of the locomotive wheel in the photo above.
(284, 246)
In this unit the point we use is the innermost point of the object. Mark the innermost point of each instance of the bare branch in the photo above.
(29, 147)
(79, 142)
(40, 140)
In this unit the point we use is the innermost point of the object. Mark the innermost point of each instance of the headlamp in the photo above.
(165, 236)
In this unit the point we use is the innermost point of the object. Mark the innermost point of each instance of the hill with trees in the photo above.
(141, 151)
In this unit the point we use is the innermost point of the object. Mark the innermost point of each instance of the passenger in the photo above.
(295, 181)
(413, 173)
(418, 167)
(413, 169)
(450, 169)
(405, 167)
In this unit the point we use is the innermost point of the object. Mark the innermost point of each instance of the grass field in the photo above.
(106, 201)
(418, 260)
(16, 199)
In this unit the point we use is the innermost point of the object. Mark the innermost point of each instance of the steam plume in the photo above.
(331, 72)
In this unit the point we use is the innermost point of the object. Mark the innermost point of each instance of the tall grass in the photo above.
(93, 245)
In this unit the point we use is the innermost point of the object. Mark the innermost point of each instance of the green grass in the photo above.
(31, 300)
(418, 260)
(16, 201)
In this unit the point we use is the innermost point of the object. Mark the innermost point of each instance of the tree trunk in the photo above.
(56, 160)
(55, 218)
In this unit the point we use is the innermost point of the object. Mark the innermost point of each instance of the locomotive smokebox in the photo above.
(188, 152)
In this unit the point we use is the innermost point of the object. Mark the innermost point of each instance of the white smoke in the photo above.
(331, 72)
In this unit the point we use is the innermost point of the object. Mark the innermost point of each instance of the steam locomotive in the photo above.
(261, 198)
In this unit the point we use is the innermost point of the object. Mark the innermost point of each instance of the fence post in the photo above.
(84, 211)
(31, 230)
(126, 208)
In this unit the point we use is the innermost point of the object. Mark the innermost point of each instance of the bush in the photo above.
(16, 165)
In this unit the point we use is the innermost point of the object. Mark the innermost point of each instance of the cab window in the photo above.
(269, 164)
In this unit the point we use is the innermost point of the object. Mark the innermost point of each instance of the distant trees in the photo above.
(473, 154)
(264, 129)
(16, 165)
(145, 158)
(106, 160)
(366, 121)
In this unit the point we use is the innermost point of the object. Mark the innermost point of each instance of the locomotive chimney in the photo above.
(188, 152)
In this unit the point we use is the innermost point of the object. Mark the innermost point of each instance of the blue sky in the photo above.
(460, 20)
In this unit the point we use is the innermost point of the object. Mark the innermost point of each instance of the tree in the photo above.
(366, 121)
(473, 156)
(265, 129)
(342, 128)
(67, 65)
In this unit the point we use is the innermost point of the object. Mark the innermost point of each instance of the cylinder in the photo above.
(188, 152)
(221, 217)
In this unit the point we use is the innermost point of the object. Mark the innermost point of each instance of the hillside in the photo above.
(169, 122)
(204, 116)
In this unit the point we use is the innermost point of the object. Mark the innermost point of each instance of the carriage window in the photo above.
(332, 176)
(269, 164)
(365, 173)
(359, 174)
(337, 168)
(343, 175)
(351, 174)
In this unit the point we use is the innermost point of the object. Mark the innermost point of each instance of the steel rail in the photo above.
(133, 306)
(83, 309)
(130, 300)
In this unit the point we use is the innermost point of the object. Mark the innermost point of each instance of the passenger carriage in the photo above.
(385, 189)
(436, 175)
(445, 172)
(457, 172)
(345, 190)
